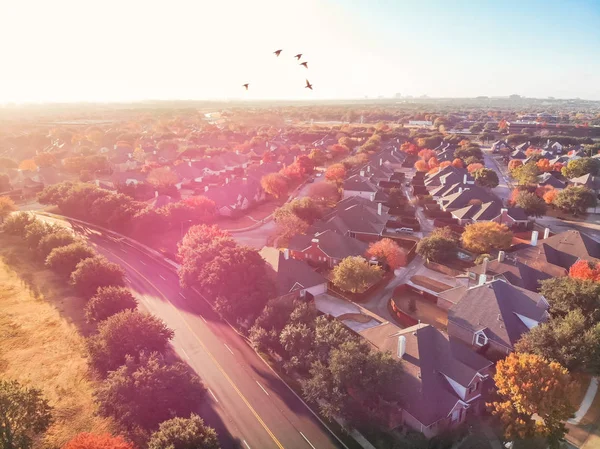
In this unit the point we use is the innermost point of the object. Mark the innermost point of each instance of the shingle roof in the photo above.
(335, 245)
(493, 308)
(462, 199)
(357, 183)
(548, 179)
(355, 214)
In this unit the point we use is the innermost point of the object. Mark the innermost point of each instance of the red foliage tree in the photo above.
(388, 251)
(550, 195)
(433, 162)
(339, 150)
(293, 172)
(458, 163)
(426, 154)
(336, 173)
(544, 165)
(409, 148)
(558, 166)
(275, 184)
(421, 165)
(324, 192)
(474, 167)
(97, 441)
(446, 164)
(582, 269)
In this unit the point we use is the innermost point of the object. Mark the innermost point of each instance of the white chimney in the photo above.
(534, 238)
(286, 254)
(460, 189)
(501, 255)
(362, 173)
(226, 180)
(315, 241)
(379, 208)
(546, 233)
(401, 346)
(465, 179)
(189, 163)
(380, 162)
(482, 279)
(368, 169)
(156, 194)
(206, 188)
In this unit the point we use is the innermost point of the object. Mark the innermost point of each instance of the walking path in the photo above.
(590, 394)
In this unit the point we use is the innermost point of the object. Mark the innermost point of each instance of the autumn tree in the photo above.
(95, 272)
(575, 199)
(131, 392)
(544, 165)
(487, 236)
(28, 165)
(355, 274)
(127, 333)
(421, 165)
(45, 160)
(87, 440)
(17, 223)
(275, 184)
(471, 168)
(433, 162)
(565, 294)
(36, 230)
(485, 177)
(162, 177)
(514, 164)
(324, 193)
(526, 174)
(439, 247)
(582, 166)
(583, 269)
(550, 196)
(108, 301)
(288, 226)
(65, 259)
(335, 173)
(24, 413)
(338, 150)
(7, 206)
(458, 163)
(388, 251)
(533, 205)
(528, 384)
(426, 154)
(56, 239)
(184, 433)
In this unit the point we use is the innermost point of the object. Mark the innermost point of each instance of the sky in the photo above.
(130, 50)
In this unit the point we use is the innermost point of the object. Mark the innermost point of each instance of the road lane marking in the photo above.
(246, 444)
(212, 357)
(142, 262)
(213, 395)
(203, 319)
(307, 441)
(162, 277)
(263, 388)
(123, 250)
(228, 348)
(185, 353)
(181, 294)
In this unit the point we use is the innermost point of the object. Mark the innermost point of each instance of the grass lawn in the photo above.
(42, 344)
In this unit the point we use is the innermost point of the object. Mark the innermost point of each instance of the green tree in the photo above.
(24, 414)
(575, 200)
(486, 177)
(107, 301)
(7, 206)
(184, 433)
(469, 151)
(533, 205)
(61, 237)
(526, 174)
(95, 272)
(16, 223)
(36, 230)
(64, 259)
(355, 274)
(438, 247)
(579, 167)
(565, 294)
(147, 392)
(127, 333)
(289, 225)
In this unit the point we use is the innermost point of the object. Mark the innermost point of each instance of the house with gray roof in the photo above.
(491, 211)
(325, 248)
(361, 186)
(464, 197)
(548, 179)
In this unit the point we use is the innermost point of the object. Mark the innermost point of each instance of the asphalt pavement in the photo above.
(247, 403)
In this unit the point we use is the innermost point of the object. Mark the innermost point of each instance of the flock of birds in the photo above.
(298, 57)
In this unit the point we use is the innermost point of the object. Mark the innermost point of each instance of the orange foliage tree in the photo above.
(339, 150)
(550, 195)
(558, 166)
(162, 177)
(529, 384)
(446, 164)
(544, 165)
(388, 251)
(426, 154)
(45, 159)
(409, 148)
(421, 165)
(458, 163)
(97, 441)
(474, 167)
(433, 162)
(582, 269)
(275, 184)
(514, 163)
(28, 165)
(336, 173)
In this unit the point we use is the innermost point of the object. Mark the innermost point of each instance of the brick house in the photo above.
(326, 248)
(443, 380)
(491, 211)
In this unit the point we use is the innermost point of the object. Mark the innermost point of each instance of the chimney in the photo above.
(189, 163)
(503, 215)
(227, 180)
(156, 194)
(315, 241)
(379, 208)
(286, 254)
(546, 233)
(483, 275)
(244, 180)
(380, 162)
(401, 346)
(501, 255)
(237, 151)
(206, 188)
(362, 173)
(465, 179)
(534, 238)
(261, 162)
(460, 189)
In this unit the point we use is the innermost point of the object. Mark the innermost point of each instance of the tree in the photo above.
(566, 293)
(389, 252)
(162, 177)
(7, 206)
(95, 272)
(36, 230)
(438, 247)
(458, 163)
(45, 160)
(568, 340)
(127, 333)
(486, 236)
(582, 166)
(544, 165)
(148, 391)
(108, 301)
(304, 208)
(575, 199)
(275, 184)
(288, 226)
(473, 167)
(355, 274)
(425, 154)
(533, 205)
(317, 156)
(86, 440)
(335, 173)
(64, 259)
(56, 239)
(486, 177)
(528, 384)
(526, 174)
(184, 433)
(16, 224)
(24, 415)
(550, 196)
(514, 164)
(583, 269)
(338, 150)
(421, 165)
(325, 193)
(433, 162)
(28, 165)
(139, 155)
(469, 151)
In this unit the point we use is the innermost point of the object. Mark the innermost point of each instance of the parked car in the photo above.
(404, 230)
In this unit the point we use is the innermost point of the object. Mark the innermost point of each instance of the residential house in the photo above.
(389, 157)
(130, 177)
(326, 248)
(236, 196)
(587, 180)
(159, 201)
(491, 211)
(518, 154)
(492, 317)
(292, 275)
(464, 197)
(123, 162)
(443, 380)
(187, 172)
(549, 179)
(448, 176)
(359, 185)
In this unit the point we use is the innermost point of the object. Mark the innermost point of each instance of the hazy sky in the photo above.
(122, 50)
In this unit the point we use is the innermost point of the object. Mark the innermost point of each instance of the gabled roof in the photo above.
(462, 199)
(548, 179)
(357, 183)
(335, 245)
(430, 358)
(587, 180)
(518, 154)
(233, 193)
(290, 274)
(494, 308)
(187, 171)
(355, 214)
(160, 201)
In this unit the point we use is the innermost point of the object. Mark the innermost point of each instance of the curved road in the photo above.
(248, 404)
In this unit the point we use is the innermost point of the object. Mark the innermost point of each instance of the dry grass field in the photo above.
(41, 343)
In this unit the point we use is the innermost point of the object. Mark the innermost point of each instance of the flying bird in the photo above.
(277, 52)
(246, 85)
(298, 56)
(305, 64)
(308, 85)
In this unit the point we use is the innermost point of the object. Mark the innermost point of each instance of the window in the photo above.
(480, 339)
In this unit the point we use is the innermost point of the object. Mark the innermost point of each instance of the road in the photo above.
(248, 404)
(504, 188)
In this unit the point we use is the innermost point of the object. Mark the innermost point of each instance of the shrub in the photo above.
(108, 301)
